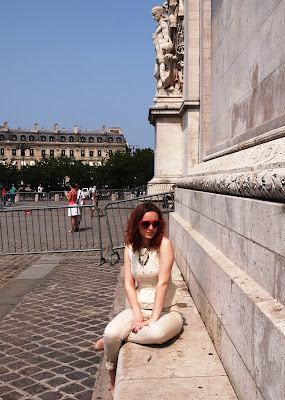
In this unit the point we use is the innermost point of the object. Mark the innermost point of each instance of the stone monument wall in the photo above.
(229, 221)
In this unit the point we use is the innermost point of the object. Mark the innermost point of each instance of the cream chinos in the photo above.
(166, 327)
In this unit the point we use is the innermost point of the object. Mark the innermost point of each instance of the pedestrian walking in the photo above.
(154, 316)
(95, 199)
(13, 191)
(40, 191)
(3, 194)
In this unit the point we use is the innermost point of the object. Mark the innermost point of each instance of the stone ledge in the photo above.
(185, 367)
(246, 323)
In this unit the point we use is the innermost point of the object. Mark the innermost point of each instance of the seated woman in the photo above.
(154, 316)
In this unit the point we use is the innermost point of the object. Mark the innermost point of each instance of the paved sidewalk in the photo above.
(51, 313)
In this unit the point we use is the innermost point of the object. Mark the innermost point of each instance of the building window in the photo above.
(23, 138)
(2, 137)
(83, 139)
(32, 163)
(110, 153)
(63, 153)
(82, 153)
(31, 138)
(91, 163)
(71, 138)
(43, 138)
(110, 140)
(31, 152)
(23, 163)
(91, 139)
(119, 140)
(91, 153)
(22, 152)
(63, 139)
(99, 153)
(14, 152)
(2, 152)
(43, 153)
(71, 153)
(14, 138)
(99, 163)
(99, 139)
(51, 153)
(51, 139)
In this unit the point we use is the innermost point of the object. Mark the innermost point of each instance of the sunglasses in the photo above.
(146, 224)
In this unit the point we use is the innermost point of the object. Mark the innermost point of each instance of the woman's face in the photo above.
(150, 232)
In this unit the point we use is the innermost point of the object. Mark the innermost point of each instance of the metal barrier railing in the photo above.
(24, 198)
(117, 214)
(45, 230)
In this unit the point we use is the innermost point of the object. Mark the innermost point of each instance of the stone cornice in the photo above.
(168, 110)
(264, 184)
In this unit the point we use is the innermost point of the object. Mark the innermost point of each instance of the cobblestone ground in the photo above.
(46, 341)
(10, 266)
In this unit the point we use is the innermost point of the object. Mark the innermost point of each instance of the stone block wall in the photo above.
(248, 65)
(231, 253)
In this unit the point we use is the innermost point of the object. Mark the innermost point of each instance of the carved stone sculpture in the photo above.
(169, 48)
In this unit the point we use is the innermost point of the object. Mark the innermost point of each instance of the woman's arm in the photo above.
(68, 195)
(131, 290)
(164, 273)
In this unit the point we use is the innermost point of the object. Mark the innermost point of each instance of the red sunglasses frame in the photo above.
(151, 223)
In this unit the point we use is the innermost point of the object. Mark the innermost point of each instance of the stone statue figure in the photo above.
(168, 41)
(164, 71)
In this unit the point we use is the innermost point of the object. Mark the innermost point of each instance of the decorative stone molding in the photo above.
(269, 155)
(266, 137)
(174, 110)
(264, 184)
(257, 171)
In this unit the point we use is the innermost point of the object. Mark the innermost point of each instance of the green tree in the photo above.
(123, 170)
(9, 174)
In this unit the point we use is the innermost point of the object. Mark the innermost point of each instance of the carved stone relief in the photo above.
(168, 40)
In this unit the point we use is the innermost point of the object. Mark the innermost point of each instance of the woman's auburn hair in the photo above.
(132, 233)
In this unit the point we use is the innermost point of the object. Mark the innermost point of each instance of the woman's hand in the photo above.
(136, 323)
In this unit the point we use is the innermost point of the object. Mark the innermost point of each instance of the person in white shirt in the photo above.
(80, 202)
(40, 191)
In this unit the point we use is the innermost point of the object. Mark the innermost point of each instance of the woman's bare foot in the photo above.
(99, 345)
(112, 374)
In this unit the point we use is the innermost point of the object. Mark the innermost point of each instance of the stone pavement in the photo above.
(51, 313)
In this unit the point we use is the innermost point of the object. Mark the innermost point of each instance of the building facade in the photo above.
(23, 147)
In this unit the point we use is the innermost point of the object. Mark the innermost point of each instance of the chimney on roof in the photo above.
(55, 128)
(36, 127)
(75, 129)
(6, 126)
(104, 128)
(63, 129)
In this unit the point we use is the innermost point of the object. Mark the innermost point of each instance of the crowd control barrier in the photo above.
(39, 230)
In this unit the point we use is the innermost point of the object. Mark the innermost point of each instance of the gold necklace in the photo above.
(144, 257)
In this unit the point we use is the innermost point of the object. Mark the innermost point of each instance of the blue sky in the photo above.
(86, 62)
